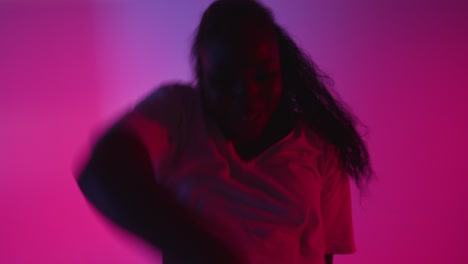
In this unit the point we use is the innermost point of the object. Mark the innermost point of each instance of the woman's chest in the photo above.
(277, 188)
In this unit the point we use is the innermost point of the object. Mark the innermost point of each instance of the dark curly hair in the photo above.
(304, 83)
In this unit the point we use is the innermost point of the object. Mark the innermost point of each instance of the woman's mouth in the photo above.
(252, 117)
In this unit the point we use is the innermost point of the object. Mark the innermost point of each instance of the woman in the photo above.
(251, 164)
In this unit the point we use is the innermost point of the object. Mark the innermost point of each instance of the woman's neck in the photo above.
(281, 124)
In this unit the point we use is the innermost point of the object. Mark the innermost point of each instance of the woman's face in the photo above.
(241, 83)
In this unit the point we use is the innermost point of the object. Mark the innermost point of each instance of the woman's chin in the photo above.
(244, 137)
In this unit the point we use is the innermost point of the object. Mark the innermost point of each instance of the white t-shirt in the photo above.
(291, 204)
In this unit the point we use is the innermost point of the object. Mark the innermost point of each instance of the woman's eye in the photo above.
(265, 76)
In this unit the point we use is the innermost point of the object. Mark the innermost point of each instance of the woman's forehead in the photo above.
(246, 51)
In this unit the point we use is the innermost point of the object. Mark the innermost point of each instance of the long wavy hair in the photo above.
(304, 83)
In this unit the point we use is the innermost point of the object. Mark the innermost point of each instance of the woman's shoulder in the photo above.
(176, 89)
(167, 98)
(325, 152)
(311, 135)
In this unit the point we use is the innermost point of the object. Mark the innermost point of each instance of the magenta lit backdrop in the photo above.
(68, 67)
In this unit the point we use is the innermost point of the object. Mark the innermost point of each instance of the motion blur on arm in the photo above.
(118, 181)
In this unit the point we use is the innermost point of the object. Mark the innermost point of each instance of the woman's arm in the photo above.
(118, 180)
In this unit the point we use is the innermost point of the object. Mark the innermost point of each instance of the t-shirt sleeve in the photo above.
(158, 119)
(336, 206)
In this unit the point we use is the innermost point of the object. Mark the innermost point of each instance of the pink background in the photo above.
(67, 67)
